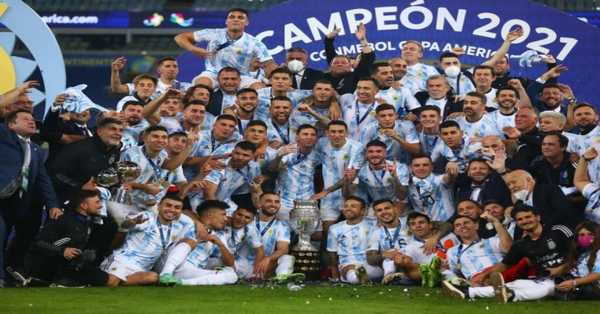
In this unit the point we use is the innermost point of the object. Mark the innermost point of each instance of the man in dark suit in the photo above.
(548, 199)
(304, 78)
(439, 94)
(229, 83)
(481, 183)
(22, 177)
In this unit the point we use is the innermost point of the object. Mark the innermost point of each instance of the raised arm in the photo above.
(503, 50)
(115, 76)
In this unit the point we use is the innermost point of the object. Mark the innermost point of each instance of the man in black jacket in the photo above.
(78, 162)
(548, 199)
(481, 183)
(59, 254)
(340, 66)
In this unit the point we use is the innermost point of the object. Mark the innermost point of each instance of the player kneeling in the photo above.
(347, 244)
(194, 269)
(149, 238)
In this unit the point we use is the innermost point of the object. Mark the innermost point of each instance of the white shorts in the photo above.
(245, 83)
(119, 268)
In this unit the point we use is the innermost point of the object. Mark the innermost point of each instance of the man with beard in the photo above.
(225, 95)
(554, 165)
(428, 193)
(358, 108)
(482, 181)
(347, 244)
(133, 122)
(245, 106)
(400, 97)
(149, 238)
(279, 131)
(378, 178)
(507, 99)
(341, 74)
(439, 94)
(296, 165)
(552, 203)
(476, 123)
(549, 95)
(275, 237)
(416, 72)
(315, 110)
(281, 85)
(399, 136)
(585, 117)
(398, 68)
(235, 178)
(195, 119)
(544, 245)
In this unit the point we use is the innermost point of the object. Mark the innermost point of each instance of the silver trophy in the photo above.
(127, 171)
(304, 219)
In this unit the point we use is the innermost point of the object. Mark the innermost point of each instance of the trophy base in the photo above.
(307, 263)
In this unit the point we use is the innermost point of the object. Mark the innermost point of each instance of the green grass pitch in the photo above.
(278, 299)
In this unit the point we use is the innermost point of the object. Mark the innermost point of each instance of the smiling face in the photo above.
(429, 119)
(421, 167)
(527, 221)
(420, 227)
(366, 91)
(170, 209)
(473, 107)
(353, 209)
(337, 135)
(194, 114)
(270, 204)
(156, 140)
(585, 116)
(229, 81)
(552, 97)
(385, 212)
(437, 88)
(384, 76)
(398, 67)
(483, 78)
(376, 155)
(111, 134)
(478, 171)
(241, 217)
(507, 99)
(465, 228)
(280, 110)
(247, 102)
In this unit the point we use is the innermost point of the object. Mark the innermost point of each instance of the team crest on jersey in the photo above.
(551, 244)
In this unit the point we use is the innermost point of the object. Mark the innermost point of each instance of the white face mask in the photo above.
(295, 66)
(452, 71)
(521, 195)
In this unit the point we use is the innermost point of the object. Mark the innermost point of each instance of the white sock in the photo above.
(176, 257)
(352, 276)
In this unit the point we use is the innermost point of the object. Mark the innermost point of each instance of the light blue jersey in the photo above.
(357, 115)
(472, 259)
(503, 120)
(405, 129)
(416, 77)
(206, 146)
(432, 196)
(298, 118)
(379, 184)
(230, 181)
(483, 127)
(265, 96)
(238, 53)
(582, 270)
(350, 242)
(461, 84)
(383, 239)
(270, 232)
(237, 239)
(402, 99)
(335, 161)
(146, 242)
(132, 133)
(151, 172)
(296, 177)
(592, 210)
(428, 142)
(204, 250)
(280, 133)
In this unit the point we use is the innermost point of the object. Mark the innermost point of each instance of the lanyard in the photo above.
(246, 175)
(388, 236)
(241, 125)
(379, 179)
(267, 227)
(164, 242)
(461, 251)
(428, 143)
(299, 158)
(359, 120)
(285, 139)
(233, 241)
(157, 170)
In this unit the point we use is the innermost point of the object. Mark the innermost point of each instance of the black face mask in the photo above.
(587, 128)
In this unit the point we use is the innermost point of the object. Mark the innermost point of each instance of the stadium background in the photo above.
(93, 32)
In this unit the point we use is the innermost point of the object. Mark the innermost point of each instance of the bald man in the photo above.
(548, 199)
